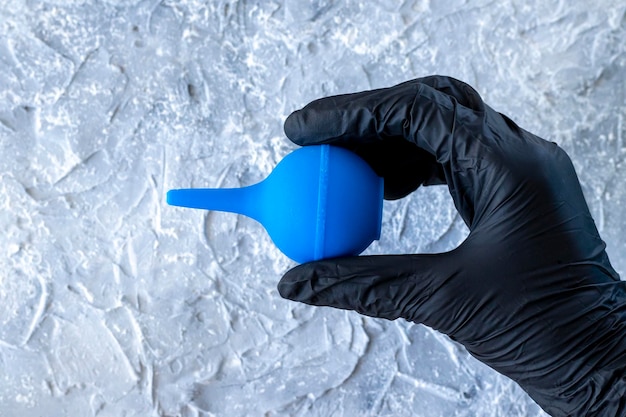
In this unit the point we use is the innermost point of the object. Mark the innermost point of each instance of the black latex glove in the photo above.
(530, 292)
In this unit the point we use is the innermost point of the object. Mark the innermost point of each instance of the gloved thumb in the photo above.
(385, 286)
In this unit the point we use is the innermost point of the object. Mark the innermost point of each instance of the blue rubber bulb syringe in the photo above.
(319, 202)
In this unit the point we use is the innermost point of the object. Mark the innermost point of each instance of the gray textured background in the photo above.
(113, 303)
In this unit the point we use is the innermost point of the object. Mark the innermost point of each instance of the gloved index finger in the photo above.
(359, 117)
(373, 124)
(423, 111)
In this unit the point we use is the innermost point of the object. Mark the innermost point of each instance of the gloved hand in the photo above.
(530, 292)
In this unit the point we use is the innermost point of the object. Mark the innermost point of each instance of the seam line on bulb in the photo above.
(322, 193)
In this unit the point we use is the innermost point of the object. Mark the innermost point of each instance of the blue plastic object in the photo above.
(319, 202)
